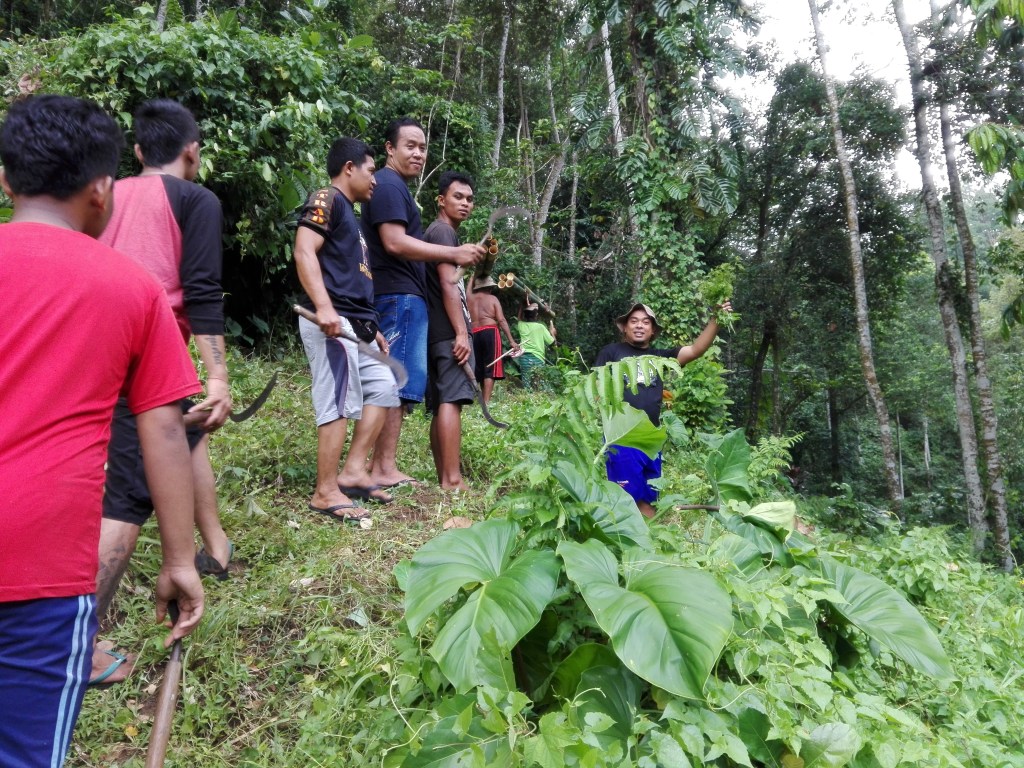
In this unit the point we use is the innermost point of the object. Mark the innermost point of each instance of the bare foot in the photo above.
(109, 666)
(395, 480)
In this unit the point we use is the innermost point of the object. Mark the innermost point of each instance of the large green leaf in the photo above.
(886, 616)
(507, 605)
(727, 466)
(569, 673)
(614, 510)
(632, 427)
(612, 691)
(442, 566)
(831, 745)
(777, 516)
(765, 539)
(668, 624)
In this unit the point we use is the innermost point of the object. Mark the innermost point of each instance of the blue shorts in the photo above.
(45, 661)
(633, 469)
(403, 321)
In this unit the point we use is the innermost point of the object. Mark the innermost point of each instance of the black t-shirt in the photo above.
(392, 203)
(198, 213)
(440, 327)
(344, 258)
(648, 396)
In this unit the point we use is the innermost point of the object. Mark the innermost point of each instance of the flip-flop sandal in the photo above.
(374, 493)
(118, 660)
(364, 520)
(208, 565)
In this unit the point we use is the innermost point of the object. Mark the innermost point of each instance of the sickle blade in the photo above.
(257, 403)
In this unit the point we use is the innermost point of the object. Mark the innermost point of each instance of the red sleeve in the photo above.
(161, 370)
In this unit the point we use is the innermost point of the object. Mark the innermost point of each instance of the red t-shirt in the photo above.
(80, 324)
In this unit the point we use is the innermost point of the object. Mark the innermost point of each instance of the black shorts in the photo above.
(125, 494)
(446, 380)
(487, 348)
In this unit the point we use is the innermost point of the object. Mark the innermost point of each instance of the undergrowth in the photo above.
(305, 659)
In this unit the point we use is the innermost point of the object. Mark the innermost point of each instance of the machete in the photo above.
(401, 375)
(496, 215)
(480, 397)
(237, 416)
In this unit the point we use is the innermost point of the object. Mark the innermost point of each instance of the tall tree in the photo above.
(945, 282)
(979, 355)
(864, 344)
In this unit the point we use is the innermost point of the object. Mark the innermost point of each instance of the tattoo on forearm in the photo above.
(216, 351)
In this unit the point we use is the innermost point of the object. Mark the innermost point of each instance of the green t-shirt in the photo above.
(534, 338)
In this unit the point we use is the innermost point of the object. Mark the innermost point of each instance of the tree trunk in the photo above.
(776, 385)
(571, 249)
(986, 400)
(554, 174)
(757, 380)
(161, 15)
(834, 464)
(864, 342)
(499, 129)
(617, 132)
(945, 285)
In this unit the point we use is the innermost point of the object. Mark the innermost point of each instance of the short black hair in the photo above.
(530, 315)
(55, 145)
(396, 125)
(163, 128)
(346, 150)
(448, 177)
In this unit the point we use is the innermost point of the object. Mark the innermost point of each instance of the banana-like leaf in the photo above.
(614, 510)
(668, 624)
(507, 605)
(727, 467)
(884, 615)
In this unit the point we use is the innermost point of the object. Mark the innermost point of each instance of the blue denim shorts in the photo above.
(403, 321)
(633, 469)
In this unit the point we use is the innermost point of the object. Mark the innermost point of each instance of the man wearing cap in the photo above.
(488, 317)
(630, 467)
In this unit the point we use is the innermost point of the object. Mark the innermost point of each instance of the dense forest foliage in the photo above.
(620, 126)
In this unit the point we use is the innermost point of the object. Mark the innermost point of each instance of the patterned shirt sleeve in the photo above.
(316, 213)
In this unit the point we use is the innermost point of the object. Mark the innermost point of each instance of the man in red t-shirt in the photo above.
(80, 324)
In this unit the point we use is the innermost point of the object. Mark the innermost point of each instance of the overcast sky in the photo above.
(860, 35)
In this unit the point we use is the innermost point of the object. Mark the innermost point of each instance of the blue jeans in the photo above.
(45, 661)
(403, 321)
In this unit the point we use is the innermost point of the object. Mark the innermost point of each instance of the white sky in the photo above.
(860, 35)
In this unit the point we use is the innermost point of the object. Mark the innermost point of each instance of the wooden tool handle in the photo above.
(166, 703)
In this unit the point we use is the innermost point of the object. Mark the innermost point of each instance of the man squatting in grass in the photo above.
(334, 268)
(80, 325)
(448, 345)
(630, 467)
(172, 228)
(398, 256)
(488, 317)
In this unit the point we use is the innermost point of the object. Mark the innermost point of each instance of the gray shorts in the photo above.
(446, 380)
(344, 380)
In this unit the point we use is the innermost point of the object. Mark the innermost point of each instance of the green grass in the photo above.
(294, 660)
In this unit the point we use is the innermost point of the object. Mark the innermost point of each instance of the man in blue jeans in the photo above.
(630, 467)
(398, 256)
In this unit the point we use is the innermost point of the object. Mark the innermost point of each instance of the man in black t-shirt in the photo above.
(334, 268)
(448, 336)
(398, 255)
(630, 467)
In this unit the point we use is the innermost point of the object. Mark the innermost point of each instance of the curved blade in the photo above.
(257, 403)
(479, 396)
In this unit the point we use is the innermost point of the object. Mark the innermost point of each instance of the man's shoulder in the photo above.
(441, 233)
